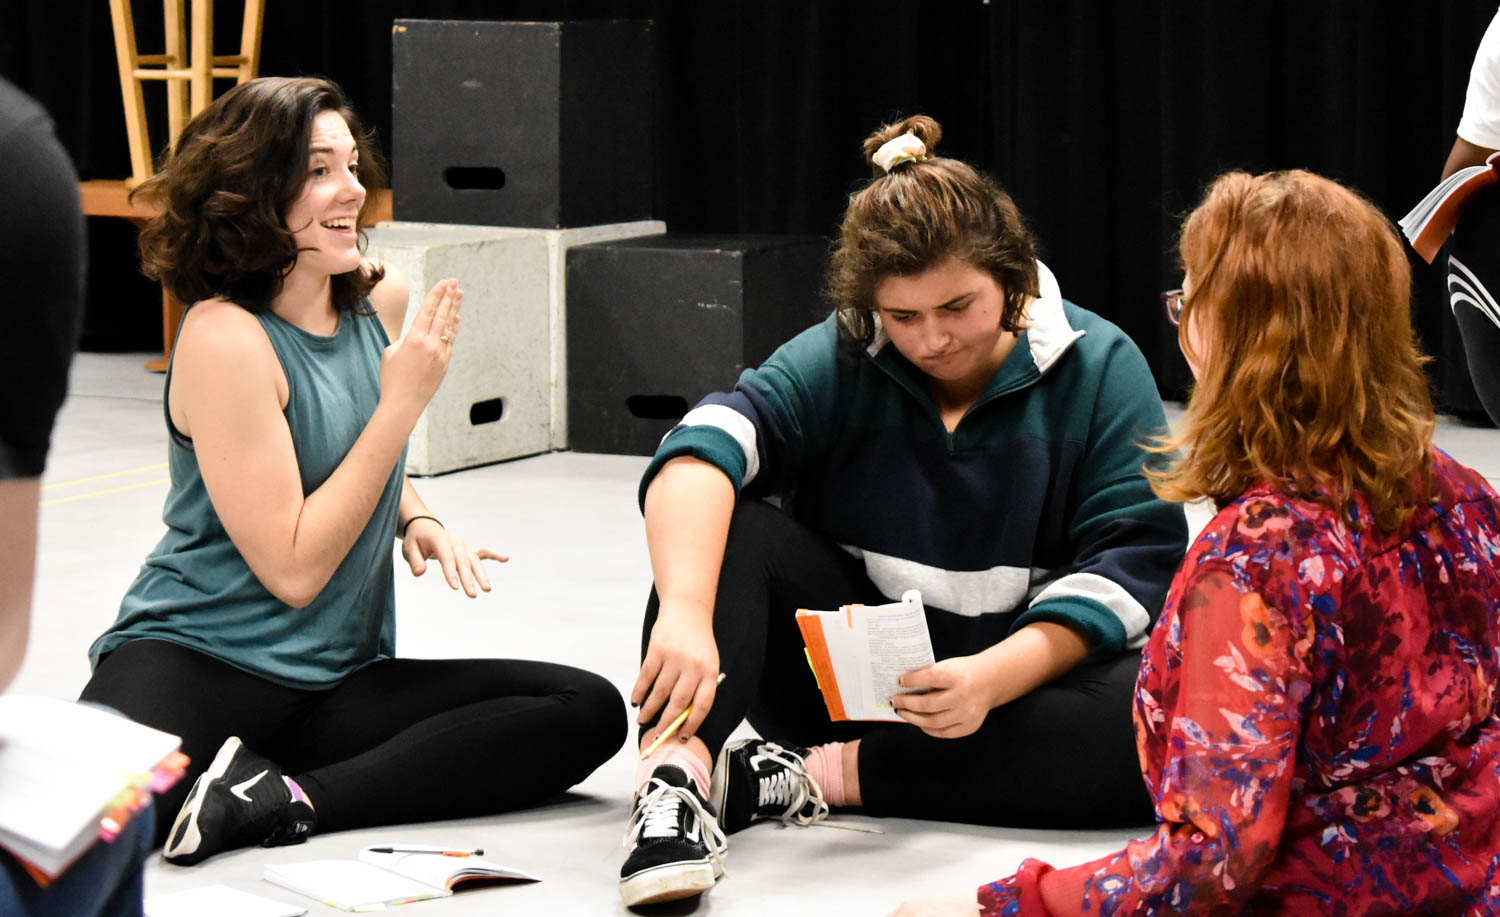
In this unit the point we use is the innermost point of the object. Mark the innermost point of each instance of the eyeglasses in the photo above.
(1172, 301)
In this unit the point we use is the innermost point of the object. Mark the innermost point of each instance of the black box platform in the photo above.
(534, 124)
(657, 322)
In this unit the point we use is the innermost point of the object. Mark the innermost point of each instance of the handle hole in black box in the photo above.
(657, 407)
(474, 178)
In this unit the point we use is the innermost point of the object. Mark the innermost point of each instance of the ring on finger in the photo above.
(443, 338)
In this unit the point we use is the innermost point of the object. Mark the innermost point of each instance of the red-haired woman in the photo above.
(266, 613)
(956, 427)
(1315, 712)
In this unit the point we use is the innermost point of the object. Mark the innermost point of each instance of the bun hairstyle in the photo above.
(923, 130)
(224, 193)
(917, 211)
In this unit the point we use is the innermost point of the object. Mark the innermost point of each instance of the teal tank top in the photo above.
(197, 591)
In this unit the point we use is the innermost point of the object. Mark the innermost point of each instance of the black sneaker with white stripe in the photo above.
(239, 801)
(676, 847)
(755, 779)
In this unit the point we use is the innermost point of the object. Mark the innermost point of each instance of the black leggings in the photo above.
(400, 740)
(1062, 756)
(1474, 267)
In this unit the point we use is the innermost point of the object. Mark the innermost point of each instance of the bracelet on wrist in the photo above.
(407, 526)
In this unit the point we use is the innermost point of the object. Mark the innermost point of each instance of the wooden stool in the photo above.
(189, 78)
(190, 87)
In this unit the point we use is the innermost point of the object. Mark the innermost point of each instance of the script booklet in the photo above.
(1431, 222)
(72, 774)
(858, 652)
(377, 880)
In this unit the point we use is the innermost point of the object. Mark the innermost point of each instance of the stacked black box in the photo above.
(536, 124)
(655, 323)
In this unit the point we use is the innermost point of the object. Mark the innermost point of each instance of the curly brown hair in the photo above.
(224, 193)
(918, 215)
(1312, 378)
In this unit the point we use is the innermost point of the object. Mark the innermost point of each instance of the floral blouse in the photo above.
(1315, 719)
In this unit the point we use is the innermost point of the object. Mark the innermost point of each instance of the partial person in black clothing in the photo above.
(1474, 252)
(41, 261)
(41, 264)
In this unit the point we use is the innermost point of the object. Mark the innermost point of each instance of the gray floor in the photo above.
(572, 592)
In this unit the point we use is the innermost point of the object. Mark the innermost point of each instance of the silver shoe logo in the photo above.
(239, 788)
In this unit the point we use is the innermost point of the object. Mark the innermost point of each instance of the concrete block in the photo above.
(559, 241)
(505, 393)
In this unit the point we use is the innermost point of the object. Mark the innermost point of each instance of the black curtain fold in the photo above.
(1104, 120)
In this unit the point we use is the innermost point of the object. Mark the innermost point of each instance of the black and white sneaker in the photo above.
(239, 801)
(676, 847)
(755, 779)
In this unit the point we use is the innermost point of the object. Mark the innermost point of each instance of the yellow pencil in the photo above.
(676, 724)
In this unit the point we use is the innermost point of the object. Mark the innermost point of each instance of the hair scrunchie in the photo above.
(905, 148)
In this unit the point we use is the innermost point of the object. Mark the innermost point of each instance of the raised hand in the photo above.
(412, 368)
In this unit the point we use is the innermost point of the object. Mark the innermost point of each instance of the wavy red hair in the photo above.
(1310, 376)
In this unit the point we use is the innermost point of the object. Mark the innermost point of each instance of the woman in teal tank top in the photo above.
(264, 618)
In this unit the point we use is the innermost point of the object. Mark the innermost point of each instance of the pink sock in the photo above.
(298, 794)
(825, 764)
(673, 753)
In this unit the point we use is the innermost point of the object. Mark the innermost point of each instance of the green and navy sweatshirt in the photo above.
(1033, 509)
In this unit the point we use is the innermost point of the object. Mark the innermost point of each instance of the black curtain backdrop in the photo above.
(1103, 120)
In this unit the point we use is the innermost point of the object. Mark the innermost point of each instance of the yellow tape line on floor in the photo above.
(102, 477)
(100, 493)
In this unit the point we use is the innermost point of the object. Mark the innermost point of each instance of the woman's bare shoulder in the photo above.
(221, 334)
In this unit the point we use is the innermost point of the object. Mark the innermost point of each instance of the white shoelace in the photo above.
(658, 812)
(782, 789)
(792, 787)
